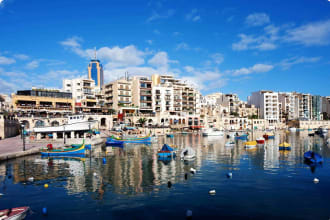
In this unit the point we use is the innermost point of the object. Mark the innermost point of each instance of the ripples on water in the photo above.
(133, 184)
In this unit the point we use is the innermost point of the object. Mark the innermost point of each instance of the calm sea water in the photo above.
(133, 184)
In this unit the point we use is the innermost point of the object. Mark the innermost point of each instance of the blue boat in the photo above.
(166, 151)
(170, 135)
(87, 146)
(70, 151)
(312, 157)
(242, 137)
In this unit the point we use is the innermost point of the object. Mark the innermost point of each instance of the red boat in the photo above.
(260, 140)
(18, 213)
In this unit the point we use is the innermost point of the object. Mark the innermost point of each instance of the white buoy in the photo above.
(316, 180)
(30, 179)
(189, 213)
(192, 170)
(212, 192)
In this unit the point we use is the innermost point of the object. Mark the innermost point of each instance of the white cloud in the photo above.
(160, 60)
(266, 41)
(120, 57)
(217, 58)
(315, 33)
(257, 19)
(21, 56)
(193, 16)
(33, 64)
(182, 46)
(287, 63)
(156, 16)
(149, 42)
(156, 32)
(257, 68)
(7, 87)
(6, 60)
(74, 45)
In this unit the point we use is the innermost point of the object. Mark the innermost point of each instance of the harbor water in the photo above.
(131, 183)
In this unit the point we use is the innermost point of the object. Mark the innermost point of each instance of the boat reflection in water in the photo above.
(134, 171)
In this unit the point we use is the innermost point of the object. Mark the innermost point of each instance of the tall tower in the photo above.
(95, 71)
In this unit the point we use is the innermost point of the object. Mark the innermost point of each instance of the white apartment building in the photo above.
(83, 91)
(289, 105)
(267, 102)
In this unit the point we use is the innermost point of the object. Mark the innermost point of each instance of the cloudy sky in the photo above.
(219, 46)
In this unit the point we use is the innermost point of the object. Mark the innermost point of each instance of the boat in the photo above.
(230, 144)
(284, 146)
(166, 151)
(250, 144)
(260, 140)
(68, 151)
(170, 135)
(87, 146)
(268, 136)
(241, 137)
(312, 157)
(292, 129)
(188, 153)
(118, 141)
(14, 213)
(212, 132)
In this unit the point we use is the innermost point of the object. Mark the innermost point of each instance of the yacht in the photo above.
(212, 132)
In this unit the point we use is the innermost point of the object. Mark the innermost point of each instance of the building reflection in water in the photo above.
(136, 169)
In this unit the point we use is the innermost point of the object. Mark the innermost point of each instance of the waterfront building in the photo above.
(142, 94)
(5, 103)
(245, 110)
(233, 102)
(43, 102)
(118, 97)
(326, 107)
(95, 72)
(84, 93)
(289, 105)
(317, 108)
(305, 106)
(268, 104)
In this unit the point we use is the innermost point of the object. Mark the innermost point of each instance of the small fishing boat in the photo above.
(118, 141)
(250, 144)
(170, 135)
(260, 140)
(230, 144)
(78, 150)
(268, 136)
(188, 153)
(212, 132)
(166, 151)
(292, 129)
(241, 137)
(87, 146)
(312, 157)
(14, 213)
(284, 146)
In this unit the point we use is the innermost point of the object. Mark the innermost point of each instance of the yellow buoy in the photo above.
(46, 185)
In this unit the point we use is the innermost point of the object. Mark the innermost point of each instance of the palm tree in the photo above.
(142, 121)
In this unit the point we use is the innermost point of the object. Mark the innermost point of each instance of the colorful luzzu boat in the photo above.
(69, 151)
(166, 151)
(118, 141)
(284, 146)
(250, 144)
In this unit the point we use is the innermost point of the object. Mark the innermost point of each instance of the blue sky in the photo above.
(220, 46)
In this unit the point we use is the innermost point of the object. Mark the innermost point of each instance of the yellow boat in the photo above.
(250, 144)
(284, 146)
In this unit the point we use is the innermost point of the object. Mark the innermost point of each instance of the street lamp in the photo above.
(23, 136)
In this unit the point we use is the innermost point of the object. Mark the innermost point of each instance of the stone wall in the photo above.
(9, 127)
